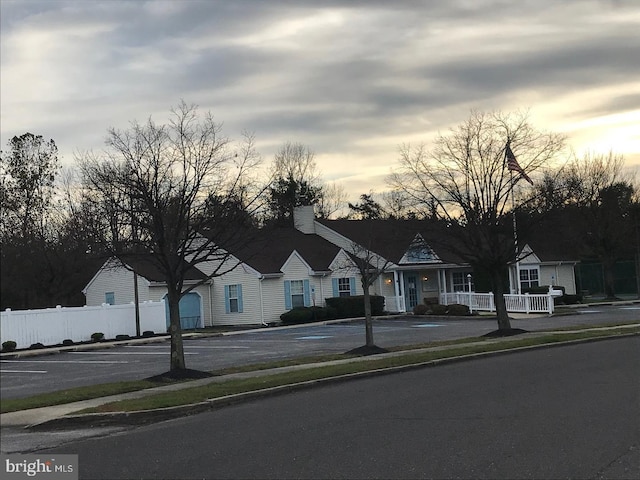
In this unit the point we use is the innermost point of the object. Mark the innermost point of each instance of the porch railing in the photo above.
(526, 303)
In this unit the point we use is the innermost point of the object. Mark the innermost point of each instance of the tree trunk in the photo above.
(368, 324)
(498, 298)
(177, 350)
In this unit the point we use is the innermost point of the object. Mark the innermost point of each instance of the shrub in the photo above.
(9, 346)
(420, 309)
(349, 307)
(457, 310)
(36, 345)
(569, 299)
(307, 314)
(148, 333)
(438, 309)
(296, 316)
(67, 341)
(123, 337)
(97, 336)
(542, 289)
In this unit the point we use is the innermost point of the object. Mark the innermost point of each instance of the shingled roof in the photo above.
(147, 268)
(393, 238)
(271, 249)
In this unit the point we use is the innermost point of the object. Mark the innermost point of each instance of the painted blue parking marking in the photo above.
(428, 325)
(314, 337)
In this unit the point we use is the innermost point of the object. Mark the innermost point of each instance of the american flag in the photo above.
(513, 165)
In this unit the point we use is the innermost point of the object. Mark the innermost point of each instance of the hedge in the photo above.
(350, 307)
(307, 314)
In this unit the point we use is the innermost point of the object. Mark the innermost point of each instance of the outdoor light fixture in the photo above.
(388, 281)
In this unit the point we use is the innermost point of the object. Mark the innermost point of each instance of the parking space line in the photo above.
(23, 371)
(125, 353)
(64, 361)
(189, 346)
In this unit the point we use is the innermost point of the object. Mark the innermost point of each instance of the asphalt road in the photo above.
(568, 412)
(22, 377)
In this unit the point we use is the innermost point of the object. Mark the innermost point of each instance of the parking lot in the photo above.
(21, 377)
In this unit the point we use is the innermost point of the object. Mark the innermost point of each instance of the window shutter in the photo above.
(287, 295)
(239, 298)
(352, 285)
(334, 284)
(227, 305)
(307, 293)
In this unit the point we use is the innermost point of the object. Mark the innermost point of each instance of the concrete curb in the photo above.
(161, 414)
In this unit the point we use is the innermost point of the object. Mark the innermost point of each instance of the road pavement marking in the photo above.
(125, 353)
(314, 337)
(629, 308)
(23, 371)
(428, 325)
(64, 361)
(589, 311)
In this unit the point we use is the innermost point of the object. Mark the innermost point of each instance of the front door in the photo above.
(190, 314)
(411, 289)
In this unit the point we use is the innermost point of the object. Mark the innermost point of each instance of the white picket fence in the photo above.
(525, 303)
(50, 326)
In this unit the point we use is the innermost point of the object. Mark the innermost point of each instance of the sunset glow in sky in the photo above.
(350, 79)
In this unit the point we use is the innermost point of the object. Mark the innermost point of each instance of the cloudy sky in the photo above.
(350, 79)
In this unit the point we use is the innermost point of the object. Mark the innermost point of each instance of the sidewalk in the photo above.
(60, 416)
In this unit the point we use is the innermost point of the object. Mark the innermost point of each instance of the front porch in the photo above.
(404, 289)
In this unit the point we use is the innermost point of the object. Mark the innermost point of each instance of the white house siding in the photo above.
(273, 298)
(118, 280)
(251, 310)
(333, 237)
(561, 275)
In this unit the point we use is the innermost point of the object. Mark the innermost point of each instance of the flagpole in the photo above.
(509, 157)
(515, 236)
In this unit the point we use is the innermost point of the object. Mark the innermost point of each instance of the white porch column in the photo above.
(398, 282)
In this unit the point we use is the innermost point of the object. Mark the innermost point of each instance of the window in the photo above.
(529, 277)
(297, 293)
(344, 287)
(233, 298)
(461, 282)
(110, 298)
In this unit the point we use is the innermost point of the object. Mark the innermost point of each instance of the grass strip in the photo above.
(230, 387)
(73, 395)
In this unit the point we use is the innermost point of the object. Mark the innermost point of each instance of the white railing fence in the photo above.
(525, 303)
(394, 304)
(50, 326)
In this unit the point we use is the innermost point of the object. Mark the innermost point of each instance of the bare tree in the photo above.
(176, 196)
(465, 182)
(27, 175)
(333, 198)
(297, 162)
(369, 266)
